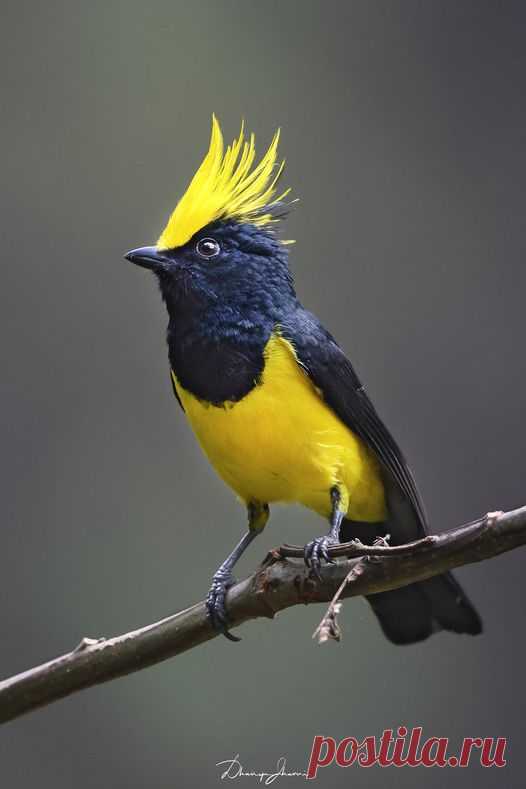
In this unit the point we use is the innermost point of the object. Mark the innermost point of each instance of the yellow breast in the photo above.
(282, 442)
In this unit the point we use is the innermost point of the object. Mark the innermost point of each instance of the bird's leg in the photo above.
(316, 550)
(223, 579)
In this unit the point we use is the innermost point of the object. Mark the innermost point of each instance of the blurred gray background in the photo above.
(404, 132)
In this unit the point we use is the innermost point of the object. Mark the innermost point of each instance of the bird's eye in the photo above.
(207, 248)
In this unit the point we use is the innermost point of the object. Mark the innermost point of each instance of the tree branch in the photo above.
(280, 582)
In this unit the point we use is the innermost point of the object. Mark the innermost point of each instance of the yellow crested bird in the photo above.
(271, 397)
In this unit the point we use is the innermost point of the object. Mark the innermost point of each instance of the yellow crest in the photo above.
(226, 186)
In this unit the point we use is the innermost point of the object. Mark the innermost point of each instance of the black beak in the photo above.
(147, 257)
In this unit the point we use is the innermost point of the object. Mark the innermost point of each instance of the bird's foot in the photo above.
(215, 602)
(316, 550)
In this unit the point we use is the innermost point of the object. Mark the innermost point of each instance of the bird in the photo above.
(272, 398)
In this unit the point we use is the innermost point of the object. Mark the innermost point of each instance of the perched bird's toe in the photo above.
(215, 603)
(317, 550)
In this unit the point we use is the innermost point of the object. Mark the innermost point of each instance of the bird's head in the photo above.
(220, 243)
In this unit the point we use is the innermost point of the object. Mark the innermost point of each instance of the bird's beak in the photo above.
(147, 257)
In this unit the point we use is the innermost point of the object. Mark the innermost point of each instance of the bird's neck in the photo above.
(216, 340)
(217, 355)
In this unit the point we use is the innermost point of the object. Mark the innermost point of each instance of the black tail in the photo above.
(412, 613)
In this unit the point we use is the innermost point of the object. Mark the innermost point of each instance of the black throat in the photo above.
(216, 368)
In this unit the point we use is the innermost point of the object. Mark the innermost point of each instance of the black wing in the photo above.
(333, 374)
(413, 612)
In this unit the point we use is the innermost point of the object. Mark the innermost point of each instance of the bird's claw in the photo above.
(215, 603)
(316, 550)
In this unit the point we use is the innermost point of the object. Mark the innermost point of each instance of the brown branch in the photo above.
(280, 582)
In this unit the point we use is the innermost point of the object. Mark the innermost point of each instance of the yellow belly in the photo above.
(282, 443)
